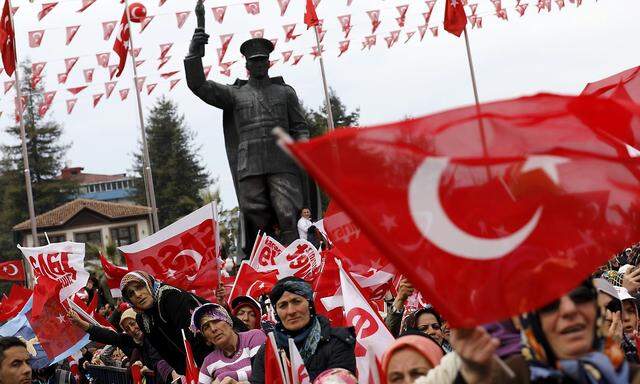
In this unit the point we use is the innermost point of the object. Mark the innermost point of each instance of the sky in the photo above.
(558, 51)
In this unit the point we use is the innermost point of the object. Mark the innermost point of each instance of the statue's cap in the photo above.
(256, 47)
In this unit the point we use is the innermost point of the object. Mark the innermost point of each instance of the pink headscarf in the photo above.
(423, 345)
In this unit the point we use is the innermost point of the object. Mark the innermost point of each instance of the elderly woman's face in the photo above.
(139, 295)
(247, 315)
(406, 365)
(293, 311)
(570, 329)
(218, 333)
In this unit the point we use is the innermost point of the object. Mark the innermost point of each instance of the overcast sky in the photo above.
(556, 52)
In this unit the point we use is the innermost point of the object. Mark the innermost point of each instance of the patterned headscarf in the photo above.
(141, 277)
(206, 313)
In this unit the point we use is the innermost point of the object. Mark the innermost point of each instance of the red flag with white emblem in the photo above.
(477, 214)
(310, 15)
(7, 38)
(12, 270)
(454, 17)
(250, 282)
(71, 33)
(121, 45)
(191, 369)
(183, 254)
(218, 13)
(113, 274)
(12, 305)
(35, 38)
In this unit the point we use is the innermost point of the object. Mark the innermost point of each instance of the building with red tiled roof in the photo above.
(89, 221)
(118, 188)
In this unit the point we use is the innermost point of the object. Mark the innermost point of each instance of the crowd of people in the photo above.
(588, 335)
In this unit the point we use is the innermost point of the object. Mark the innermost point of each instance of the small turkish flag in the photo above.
(191, 369)
(12, 270)
(284, 4)
(218, 13)
(173, 83)
(35, 38)
(250, 282)
(121, 45)
(310, 16)
(70, 104)
(7, 38)
(46, 8)
(455, 18)
(71, 33)
(113, 273)
(469, 216)
(252, 8)
(12, 305)
(97, 98)
(181, 17)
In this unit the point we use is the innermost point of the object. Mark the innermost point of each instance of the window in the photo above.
(92, 188)
(120, 185)
(94, 238)
(53, 238)
(124, 235)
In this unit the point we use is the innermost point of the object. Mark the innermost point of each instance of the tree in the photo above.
(46, 154)
(178, 175)
(341, 117)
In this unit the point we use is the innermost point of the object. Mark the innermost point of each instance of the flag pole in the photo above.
(477, 99)
(146, 166)
(23, 139)
(327, 100)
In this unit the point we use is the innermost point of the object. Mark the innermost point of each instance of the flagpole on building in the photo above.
(23, 139)
(327, 100)
(148, 175)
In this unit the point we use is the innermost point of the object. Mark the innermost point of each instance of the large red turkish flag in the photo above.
(183, 254)
(490, 222)
(250, 282)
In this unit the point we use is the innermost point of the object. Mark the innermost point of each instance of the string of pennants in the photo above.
(172, 78)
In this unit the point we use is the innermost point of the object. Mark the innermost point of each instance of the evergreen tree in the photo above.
(178, 175)
(341, 117)
(46, 159)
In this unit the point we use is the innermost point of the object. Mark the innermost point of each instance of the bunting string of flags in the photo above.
(385, 27)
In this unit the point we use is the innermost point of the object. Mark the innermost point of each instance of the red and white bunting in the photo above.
(49, 96)
(522, 8)
(168, 74)
(76, 90)
(86, 4)
(409, 36)
(389, 41)
(296, 59)
(164, 61)
(434, 31)
(258, 33)
(103, 59)
(284, 4)
(474, 8)
(275, 42)
(71, 33)
(227, 65)
(370, 41)
(109, 87)
(218, 13)
(315, 52)
(344, 46)
(402, 10)
(88, 75)
(220, 55)
(8, 85)
(37, 68)
(35, 38)
(207, 69)
(140, 82)
(62, 78)
(161, 3)
(430, 4)
(164, 49)
(136, 52)
(151, 87)
(497, 4)
(97, 98)
(271, 64)
(145, 22)
(70, 62)
(181, 17)
(427, 17)
(107, 29)
(46, 8)
(286, 55)
(374, 16)
(173, 83)
(140, 62)
(113, 69)
(70, 104)
(395, 35)
(124, 93)
(502, 14)
(225, 40)
(252, 8)
(345, 22)
(35, 80)
(288, 32)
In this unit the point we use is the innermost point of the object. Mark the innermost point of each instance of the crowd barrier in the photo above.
(100, 374)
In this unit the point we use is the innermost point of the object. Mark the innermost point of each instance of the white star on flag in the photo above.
(171, 274)
(61, 318)
(389, 222)
(549, 164)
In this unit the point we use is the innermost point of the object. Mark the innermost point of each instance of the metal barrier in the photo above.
(101, 374)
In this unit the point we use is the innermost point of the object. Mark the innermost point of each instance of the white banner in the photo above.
(265, 254)
(59, 261)
(300, 259)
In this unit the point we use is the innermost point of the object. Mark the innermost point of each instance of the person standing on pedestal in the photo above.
(268, 183)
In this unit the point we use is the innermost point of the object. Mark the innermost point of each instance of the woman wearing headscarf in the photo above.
(428, 321)
(321, 346)
(163, 312)
(409, 358)
(247, 310)
(230, 362)
(563, 343)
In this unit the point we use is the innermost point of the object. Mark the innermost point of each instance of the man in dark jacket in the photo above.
(321, 346)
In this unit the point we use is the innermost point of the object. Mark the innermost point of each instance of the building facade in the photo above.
(118, 188)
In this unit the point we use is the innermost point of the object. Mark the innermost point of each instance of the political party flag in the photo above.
(63, 262)
(264, 253)
(477, 212)
(299, 373)
(184, 254)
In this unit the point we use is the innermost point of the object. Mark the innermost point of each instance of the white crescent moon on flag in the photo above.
(13, 273)
(436, 226)
(197, 258)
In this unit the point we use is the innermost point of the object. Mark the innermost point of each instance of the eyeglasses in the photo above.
(425, 327)
(581, 295)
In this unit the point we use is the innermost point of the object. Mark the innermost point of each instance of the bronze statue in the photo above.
(269, 185)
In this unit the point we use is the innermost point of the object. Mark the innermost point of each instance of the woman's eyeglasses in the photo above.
(580, 295)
